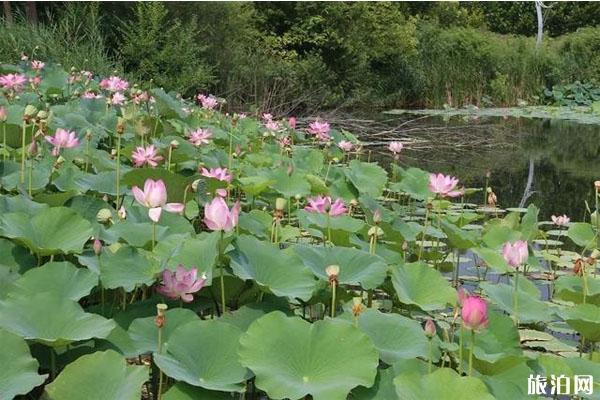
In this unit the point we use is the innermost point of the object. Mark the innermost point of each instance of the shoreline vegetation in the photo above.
(304, 58)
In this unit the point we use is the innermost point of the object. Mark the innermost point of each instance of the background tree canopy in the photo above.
(302, 56)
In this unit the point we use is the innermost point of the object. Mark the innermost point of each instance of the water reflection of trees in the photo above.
(566, 156)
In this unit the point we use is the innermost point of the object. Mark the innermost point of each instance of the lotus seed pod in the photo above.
(336, 160)
(195, 185)
(174, 144)
(332, 270)
(353, 202)
(30, 111)
(104, 215)
(597, 185)
(280, 203)
(375, 231)
(42, 115)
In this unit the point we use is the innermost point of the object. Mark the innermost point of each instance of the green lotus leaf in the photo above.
(10, 174)
(368, 178)
(444, 383)
(50, 231)
(244, 316)
(103, 375)
(585, 319)
(290, 185)
(255, 185)
(570, 288)
(493, 259)
(19, 373)
(414, 182)
(496, 235)
(419, 284)
(281, 272)
(51, 319)
(61, 278)
(204, 353)
(144, 333)
(260, 224)
(14, 257)
(20, 203)
(183, 391)
(292, 358)
(460, 238)
(582, 234)
(382, 389)
(342, 222)
(126, 268)
(530, 309)
(356, 267)
(383, 329)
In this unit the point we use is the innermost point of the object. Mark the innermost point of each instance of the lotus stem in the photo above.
(460, 350)
(328, 229)
(424, 233)
(471, 352)
(87, 153)
(222, 277)
(333, 287)
(118, 169)
(52, 363)
(4, 140)
(23, 135)
(169, 158)
(160, 321)
(153, 235)
(516, 298)
(29, 184)
(585, 282)
(429, 364)
(457, 269)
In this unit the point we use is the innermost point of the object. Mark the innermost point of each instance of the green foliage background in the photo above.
(303, 56)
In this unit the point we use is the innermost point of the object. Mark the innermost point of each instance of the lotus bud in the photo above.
(97, 246)
(404, 245)
(430, 329)
(104, 215)
(377, 216)
(280, 204)
(88, 135)
(160, 315)
(122, 212)
(120, 126)
(332, 272)
(113, 153)
(3, 114)
(32, 151)
(357, 306)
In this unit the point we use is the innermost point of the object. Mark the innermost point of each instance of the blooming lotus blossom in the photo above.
(218, 217)
(114, 84)
(90, 96)
(154, 197)
(199, 137)
(395, 147)
(218, 173)
(181, 283)
(14, 82)
(37, 65)
(285, 141)
(117, 99)
(146, 155)
(140, 98)
(474, 313)
(272, 125)
(444, 185)
(561, 220)
(208, 102)
(346, 145)
(62, 139)
(87, 74)
(324, 205)
(515, 254)
(267, 117)
(320, 130)
(292, 122)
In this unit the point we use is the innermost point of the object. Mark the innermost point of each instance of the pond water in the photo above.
(562, 157)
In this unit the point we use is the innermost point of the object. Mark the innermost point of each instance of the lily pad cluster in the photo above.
(158, 247)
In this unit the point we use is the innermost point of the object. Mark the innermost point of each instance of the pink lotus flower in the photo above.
(140, 98)
(515, 254)
(218, 173)
(272, 125)
(292, 122)
(91, 96)
(395, 147)
(345, 145)
(36, 80)
(474, 313)
(218, 217)
(199, 137)
(430, 328)
(87, 74)
(444, 185)
(117, 99)
(37, 65)
(266, 117)
(154, 197)
(320, 130)
(146, 155)
(181, 283)
(62, 139)
(14, 82)
(285, 141)
(114, 84)
(323, 205)
(561, 220)
(208, 102)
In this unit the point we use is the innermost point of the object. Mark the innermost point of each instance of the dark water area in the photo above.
(562, 157)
